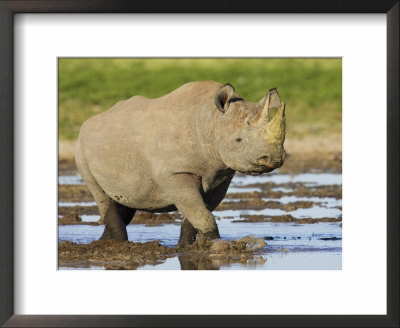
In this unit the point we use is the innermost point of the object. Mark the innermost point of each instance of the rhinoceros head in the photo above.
(248, 140)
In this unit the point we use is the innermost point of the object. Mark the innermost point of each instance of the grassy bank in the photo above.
(311, 88)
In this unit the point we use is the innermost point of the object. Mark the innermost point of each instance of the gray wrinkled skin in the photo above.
(179, 151)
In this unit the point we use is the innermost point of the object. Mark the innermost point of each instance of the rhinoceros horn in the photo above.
(275, 130)
(271, 100)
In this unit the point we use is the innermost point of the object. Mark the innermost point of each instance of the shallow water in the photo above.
(283, 189)
(70, 180)
(90, 218)
(314, 212)
(288, 235)
(317, 179)
(289, 245)
(325, 201)
(235, 190)
(73, 204)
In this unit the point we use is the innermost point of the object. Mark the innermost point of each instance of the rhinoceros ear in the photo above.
(222, 97)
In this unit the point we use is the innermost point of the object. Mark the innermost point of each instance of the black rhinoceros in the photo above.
(179, 151)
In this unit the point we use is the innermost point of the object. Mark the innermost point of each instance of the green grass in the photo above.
(311, 88)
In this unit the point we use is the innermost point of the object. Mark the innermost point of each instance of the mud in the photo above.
(74, 193)
(330, 238)
(67, 166)
(71, 219)
(317, 162)
(258, 204)
(112, 255)
(79, 210)
(283, 218)
(293, 189)
(223, 247)
(154, 219)
(203, 254)
(71, 215)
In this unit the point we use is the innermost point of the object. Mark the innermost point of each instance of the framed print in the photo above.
(320, 260)
(250, 215)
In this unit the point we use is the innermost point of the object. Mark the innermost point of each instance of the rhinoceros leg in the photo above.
(215, 197)
(188, 234)
(125, 213)
(186, 193)
(212, 200)
(109, 210)
(115, 230)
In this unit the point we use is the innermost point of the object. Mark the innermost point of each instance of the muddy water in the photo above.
(298, 216)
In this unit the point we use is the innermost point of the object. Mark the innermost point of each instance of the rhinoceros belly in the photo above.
(132, 190)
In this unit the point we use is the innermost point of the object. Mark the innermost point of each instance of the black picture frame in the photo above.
(7, 197)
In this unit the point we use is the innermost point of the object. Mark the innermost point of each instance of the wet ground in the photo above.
(288, 219)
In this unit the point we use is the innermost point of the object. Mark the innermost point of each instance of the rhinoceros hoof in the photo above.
(185, 243)
(211, 235)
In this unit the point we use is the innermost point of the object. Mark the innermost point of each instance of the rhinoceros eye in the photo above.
(239, 139)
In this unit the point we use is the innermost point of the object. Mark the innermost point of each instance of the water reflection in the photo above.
(201, 262)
